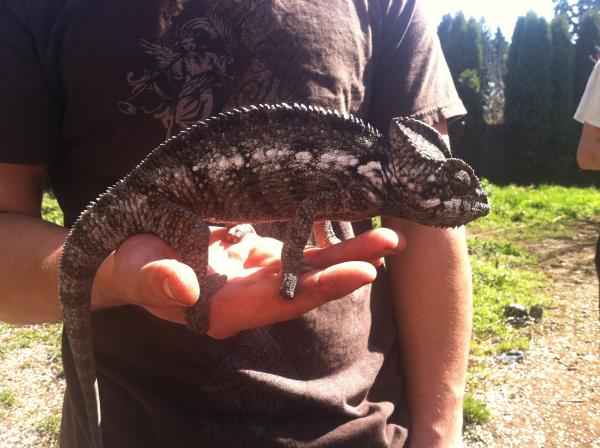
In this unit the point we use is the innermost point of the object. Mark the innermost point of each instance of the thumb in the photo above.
(167, 282)
(144, 271)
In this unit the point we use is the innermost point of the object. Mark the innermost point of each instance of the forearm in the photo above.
(431, 284)
(588, 156)
(29, 253)
(588, 151)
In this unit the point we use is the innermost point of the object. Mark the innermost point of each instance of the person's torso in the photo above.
(131, 74)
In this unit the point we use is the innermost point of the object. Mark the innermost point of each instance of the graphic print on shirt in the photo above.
(238, 53)
(186, 80)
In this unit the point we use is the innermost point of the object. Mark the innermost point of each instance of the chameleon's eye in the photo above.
(461, 182)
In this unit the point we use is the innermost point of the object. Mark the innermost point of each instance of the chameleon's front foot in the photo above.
(289, 281)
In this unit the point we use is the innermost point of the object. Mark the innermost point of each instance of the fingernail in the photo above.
(390, 252)
(168, 291)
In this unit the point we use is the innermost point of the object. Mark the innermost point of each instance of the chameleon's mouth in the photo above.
(452, 212)
(478, 205)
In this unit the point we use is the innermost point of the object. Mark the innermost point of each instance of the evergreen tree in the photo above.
(463, 48)
(564, 131)
(528, 101)
(494, 55)
(444, 28)
(453, 44)
(512, 89)
(574, 10)
(474, 47)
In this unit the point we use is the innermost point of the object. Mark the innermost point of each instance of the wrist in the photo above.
(440, 426)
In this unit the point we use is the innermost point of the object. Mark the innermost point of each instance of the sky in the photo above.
(503, 13)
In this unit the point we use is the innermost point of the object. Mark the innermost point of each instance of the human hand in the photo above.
(145, 271)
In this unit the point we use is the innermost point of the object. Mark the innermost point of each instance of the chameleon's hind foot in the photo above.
(237, 232)
(197, 315)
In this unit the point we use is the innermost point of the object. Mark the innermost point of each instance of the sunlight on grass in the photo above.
(7, 399)
(50, 209)
(475, 411)
(541, 210)
(49, 427)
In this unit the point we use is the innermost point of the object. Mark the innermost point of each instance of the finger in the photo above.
(369, 246)
(146, 270)
(259, 303)
(320, 286)
(165, 282)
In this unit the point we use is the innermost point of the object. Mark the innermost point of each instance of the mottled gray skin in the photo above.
(263, 164)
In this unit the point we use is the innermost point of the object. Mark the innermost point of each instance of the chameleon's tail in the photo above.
(83, 253)
(80, 340)
(75, 293)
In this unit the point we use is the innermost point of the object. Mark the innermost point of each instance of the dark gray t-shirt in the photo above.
(90, 87)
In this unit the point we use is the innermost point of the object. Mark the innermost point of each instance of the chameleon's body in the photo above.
(263, 164)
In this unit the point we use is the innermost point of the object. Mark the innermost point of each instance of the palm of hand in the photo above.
(145, 271)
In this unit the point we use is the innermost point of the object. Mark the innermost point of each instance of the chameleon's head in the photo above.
(433, 188)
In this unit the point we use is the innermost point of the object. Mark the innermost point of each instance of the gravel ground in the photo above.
(33, 379)
(552, 398)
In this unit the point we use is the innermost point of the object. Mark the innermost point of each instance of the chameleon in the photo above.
(304, 165)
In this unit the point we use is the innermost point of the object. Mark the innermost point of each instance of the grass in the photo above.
(537, 211)
(7, 399)
(51, 210)
(49, 427)
(27, 336)
(475, 411)
(503, 273)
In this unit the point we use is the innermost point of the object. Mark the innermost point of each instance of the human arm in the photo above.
(135, 274)
(431, 292)
(29, 248)
(588, 151)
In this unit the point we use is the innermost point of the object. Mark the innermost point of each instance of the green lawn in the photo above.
(537, 211)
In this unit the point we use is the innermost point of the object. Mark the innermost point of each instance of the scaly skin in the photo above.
(263, 164)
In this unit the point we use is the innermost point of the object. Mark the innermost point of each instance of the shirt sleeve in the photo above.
(589, 106)
(411, 75)
(30, 116)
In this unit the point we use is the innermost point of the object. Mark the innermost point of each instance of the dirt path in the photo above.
(552, 398)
